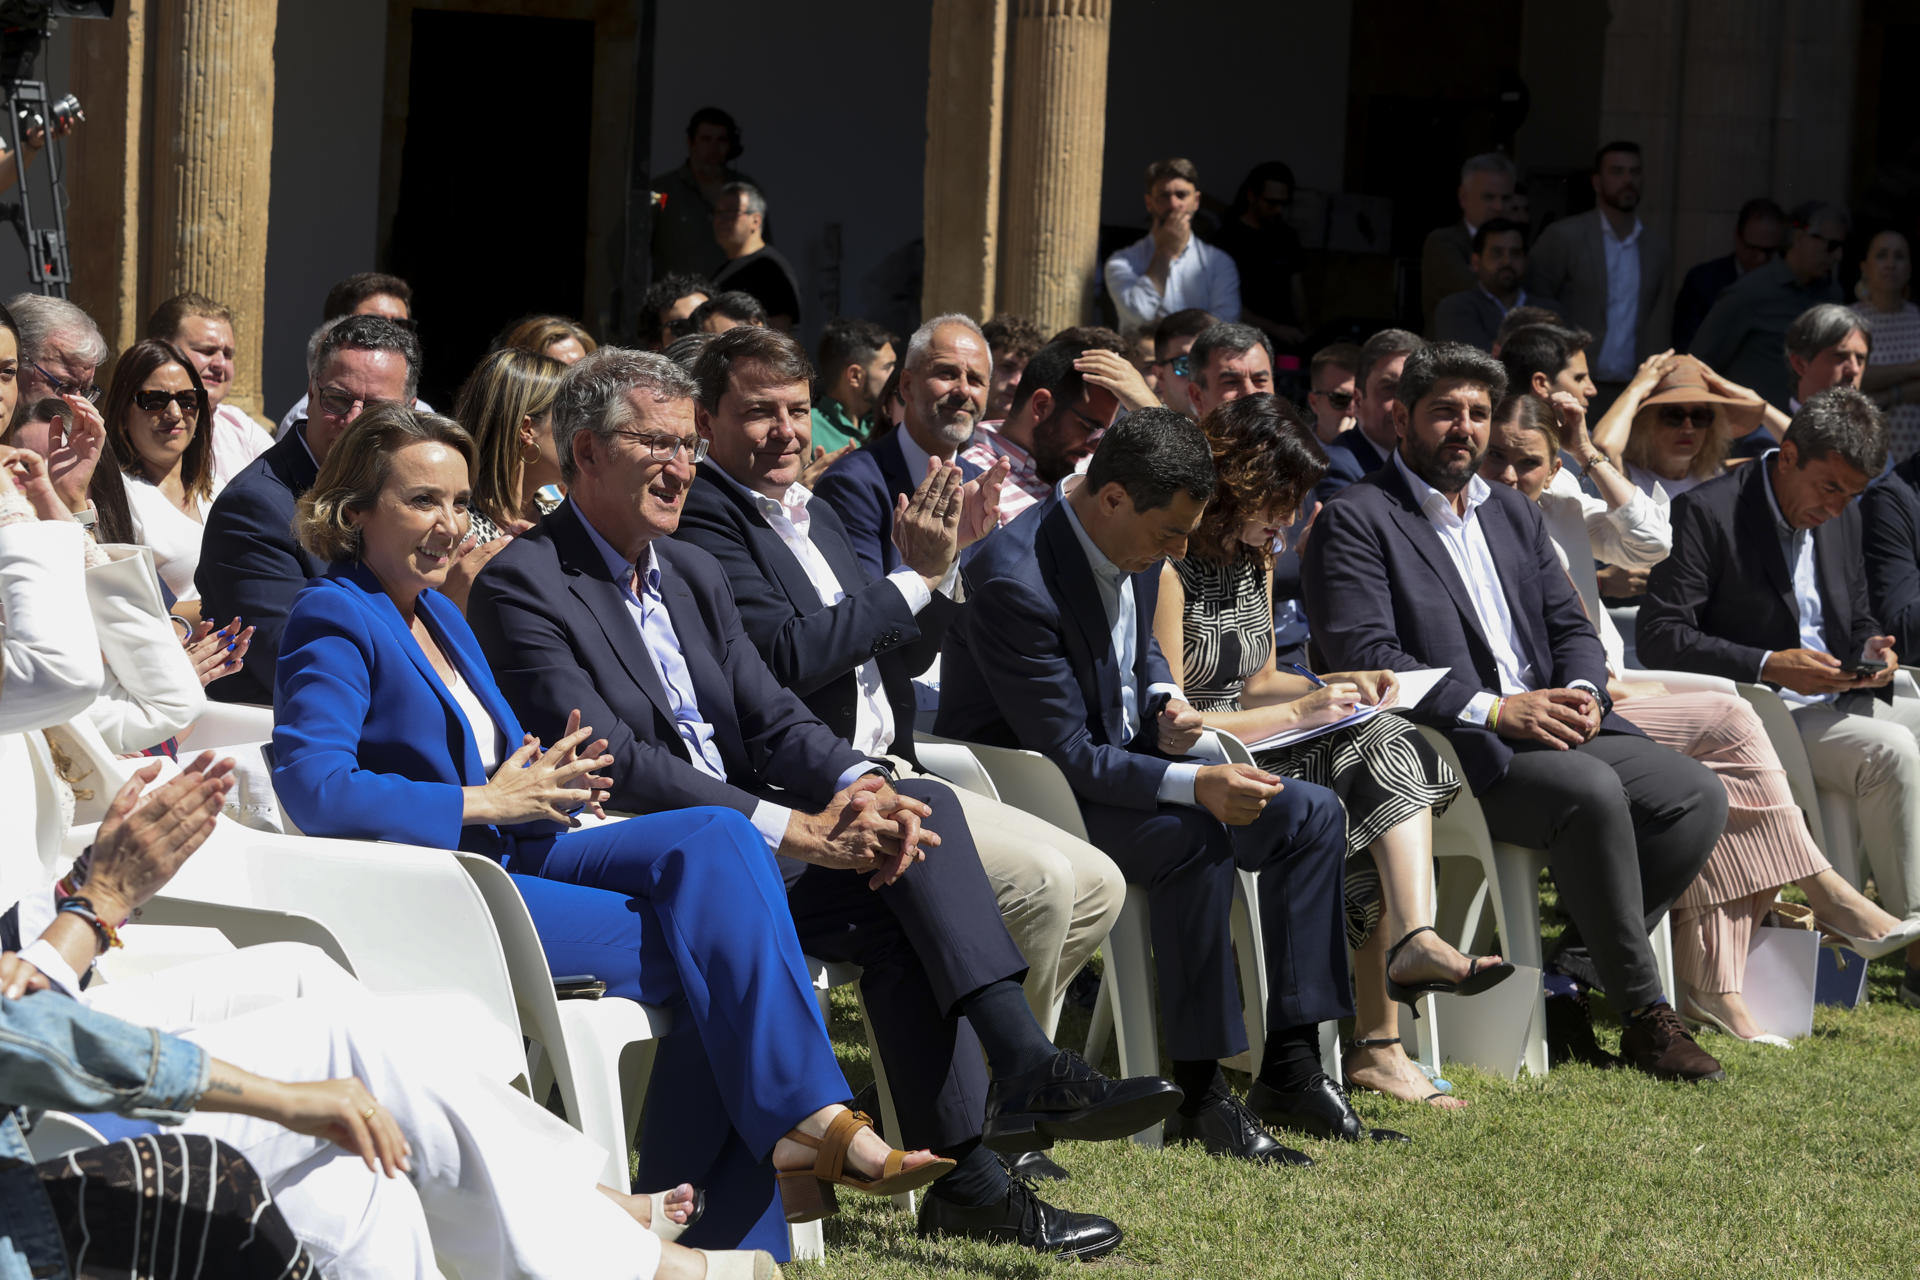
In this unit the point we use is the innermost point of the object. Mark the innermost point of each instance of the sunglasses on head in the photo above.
(157, 401)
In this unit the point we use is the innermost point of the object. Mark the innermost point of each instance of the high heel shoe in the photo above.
(740, 1264)
(1699, 1017)
(807, 1194)
(1898, 938)
(1480, 975)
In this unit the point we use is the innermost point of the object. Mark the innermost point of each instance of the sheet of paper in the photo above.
(1414, 685)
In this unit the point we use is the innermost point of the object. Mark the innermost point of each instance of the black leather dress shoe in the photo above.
(1023, 1218)
(1065, 1098)
(1225, 1127)
(1320, 1110)
(1036, 1166)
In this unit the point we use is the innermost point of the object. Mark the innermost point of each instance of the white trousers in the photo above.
(1873, 755)
(499, 1187)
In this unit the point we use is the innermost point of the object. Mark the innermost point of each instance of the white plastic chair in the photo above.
(230, 724)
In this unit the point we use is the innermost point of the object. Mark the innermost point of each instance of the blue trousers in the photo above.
(696, 920)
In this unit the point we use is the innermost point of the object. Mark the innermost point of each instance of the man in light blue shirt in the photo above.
(1170, 269)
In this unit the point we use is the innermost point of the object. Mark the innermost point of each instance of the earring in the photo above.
(529, 452)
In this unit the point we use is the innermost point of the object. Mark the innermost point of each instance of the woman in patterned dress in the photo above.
(1216, 614)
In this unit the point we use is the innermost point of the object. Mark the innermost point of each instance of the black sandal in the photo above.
(1478, 979)
(1377, 1042)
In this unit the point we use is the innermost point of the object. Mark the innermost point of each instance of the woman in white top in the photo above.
(158, 423)
(1893, 367)
(203, 331)
(1676, 423)
(1766, 843)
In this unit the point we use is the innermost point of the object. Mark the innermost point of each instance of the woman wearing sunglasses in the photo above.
(156, 410)
(1673, 426)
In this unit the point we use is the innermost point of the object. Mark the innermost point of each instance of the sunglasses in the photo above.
(1341, 400)
(1179, 366)
(1673, 415)
(157, 401)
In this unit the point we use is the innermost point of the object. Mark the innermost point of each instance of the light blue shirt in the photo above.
(1616, 362)
(1115, 586)
(1201, 276)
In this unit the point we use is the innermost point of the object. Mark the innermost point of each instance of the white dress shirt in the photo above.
(237, 440)
(1616, 363)
(1115, 586)
(1466, 544)
(873, 723)
(1199, 276)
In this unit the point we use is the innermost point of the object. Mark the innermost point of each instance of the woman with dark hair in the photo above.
(507, 407)
(1216, 613)
(157, 419)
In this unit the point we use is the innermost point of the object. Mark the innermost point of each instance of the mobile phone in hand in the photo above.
(1866, 670)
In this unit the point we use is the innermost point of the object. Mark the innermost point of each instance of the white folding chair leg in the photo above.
(889, 1118)
(1517, 906)
(1250, 953)
(610, 1047)
(807, 1241)
(1330, 1051)
(1126, 992)
(1661, 940)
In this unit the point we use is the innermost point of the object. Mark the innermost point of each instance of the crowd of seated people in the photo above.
(655, 627)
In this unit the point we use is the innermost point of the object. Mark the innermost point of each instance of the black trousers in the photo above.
(1627, 824)
(931, 937)
(1186, 859)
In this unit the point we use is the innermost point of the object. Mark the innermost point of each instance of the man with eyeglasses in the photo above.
(1744, 334)
(60, 349)
(364, 293)
(1759, 234)
(1173, 337)
(1361, 449)
(250, 565)
(1057, 417)
(599, 607)
(1332, 395)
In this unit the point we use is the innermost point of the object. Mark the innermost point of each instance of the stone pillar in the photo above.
(1056, 130)
(105, 171)
(967, 69)
(212, 144)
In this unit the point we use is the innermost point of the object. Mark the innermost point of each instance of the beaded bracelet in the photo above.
(1493, 714)
(105, 935)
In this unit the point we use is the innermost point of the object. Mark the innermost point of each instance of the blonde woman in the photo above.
(507, 407)
(1677, 424)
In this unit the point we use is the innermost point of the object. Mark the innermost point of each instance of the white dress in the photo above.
(173, 535)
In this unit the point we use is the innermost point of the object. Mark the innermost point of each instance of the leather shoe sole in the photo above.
(1132, 1105)
(1318, 1113)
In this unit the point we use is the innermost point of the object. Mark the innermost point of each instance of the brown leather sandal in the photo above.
(807, 1194)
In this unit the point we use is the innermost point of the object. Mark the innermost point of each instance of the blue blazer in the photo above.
(368, 743)
(1382, 591)
(862, 488)
(1030, 663)
(251, 567)
(1350, 457)
(556, 628)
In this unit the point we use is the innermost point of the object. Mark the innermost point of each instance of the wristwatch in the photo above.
(1599, 695)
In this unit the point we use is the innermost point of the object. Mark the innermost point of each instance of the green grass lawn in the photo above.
(1802, 1163)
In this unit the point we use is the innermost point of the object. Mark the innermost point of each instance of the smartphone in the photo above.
(1863, 668)
(579, 986)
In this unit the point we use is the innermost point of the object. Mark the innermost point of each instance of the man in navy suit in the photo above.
(1360, 449)
(850, 644)
(1055, 653)
(943, 385)
(250, 565)
(1423, 564)
(598, 608)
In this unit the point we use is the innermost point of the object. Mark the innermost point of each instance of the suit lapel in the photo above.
(1507, 548)
(699, 649)
(383, 608)
(893, 466)
(1086, 614)
(1831, 568)
(829, 538)
(592, 584)
(1426, 540)
(786, 566)
(1755, 529)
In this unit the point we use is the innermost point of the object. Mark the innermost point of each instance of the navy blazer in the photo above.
(1890, 520)
(1383, 592)
(1350, 457)
(555, 626)
(251, 567)
(812, 649)
(863, 486)
(1030, 663)
(368, 742)
(1724, 598)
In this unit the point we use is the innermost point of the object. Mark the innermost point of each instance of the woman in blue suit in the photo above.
(378, 695)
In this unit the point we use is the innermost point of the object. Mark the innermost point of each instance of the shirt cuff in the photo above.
(1171, 690)
(1760, 671)
(45, 957)
(913, 588)
(770, 820)
(1478, 708)
(1176, 784)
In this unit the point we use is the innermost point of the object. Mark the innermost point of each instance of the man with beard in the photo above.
(1422, 564)
(1058, 415)
(1499, 260)
(850, 644)
(943, 385)
(1611, 271)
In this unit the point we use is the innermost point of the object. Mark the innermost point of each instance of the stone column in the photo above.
(967, 69)
(105, 171)
(212, 145)
(1056, 129)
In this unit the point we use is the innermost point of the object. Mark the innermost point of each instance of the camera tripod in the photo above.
(47, 256)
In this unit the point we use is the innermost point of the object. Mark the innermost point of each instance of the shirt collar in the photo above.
(1632, 237)
(1426, 495)
(916, 458)
(1103, 568)
(1519, 300)
(1019, 455)
(797, 495)
(647, 568)
(1765, 463)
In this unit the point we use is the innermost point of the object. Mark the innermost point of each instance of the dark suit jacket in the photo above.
(812, 649)
(555, 627)
(1350, 457)
(250, 565)
(1569, 262)
(1473, 317)
(1698, 292)
(1030, 663)
(1382, 592)
(1724, 598)
(862, 488)
(1890, 521)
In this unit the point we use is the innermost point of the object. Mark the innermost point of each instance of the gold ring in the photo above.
(368, 1113)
